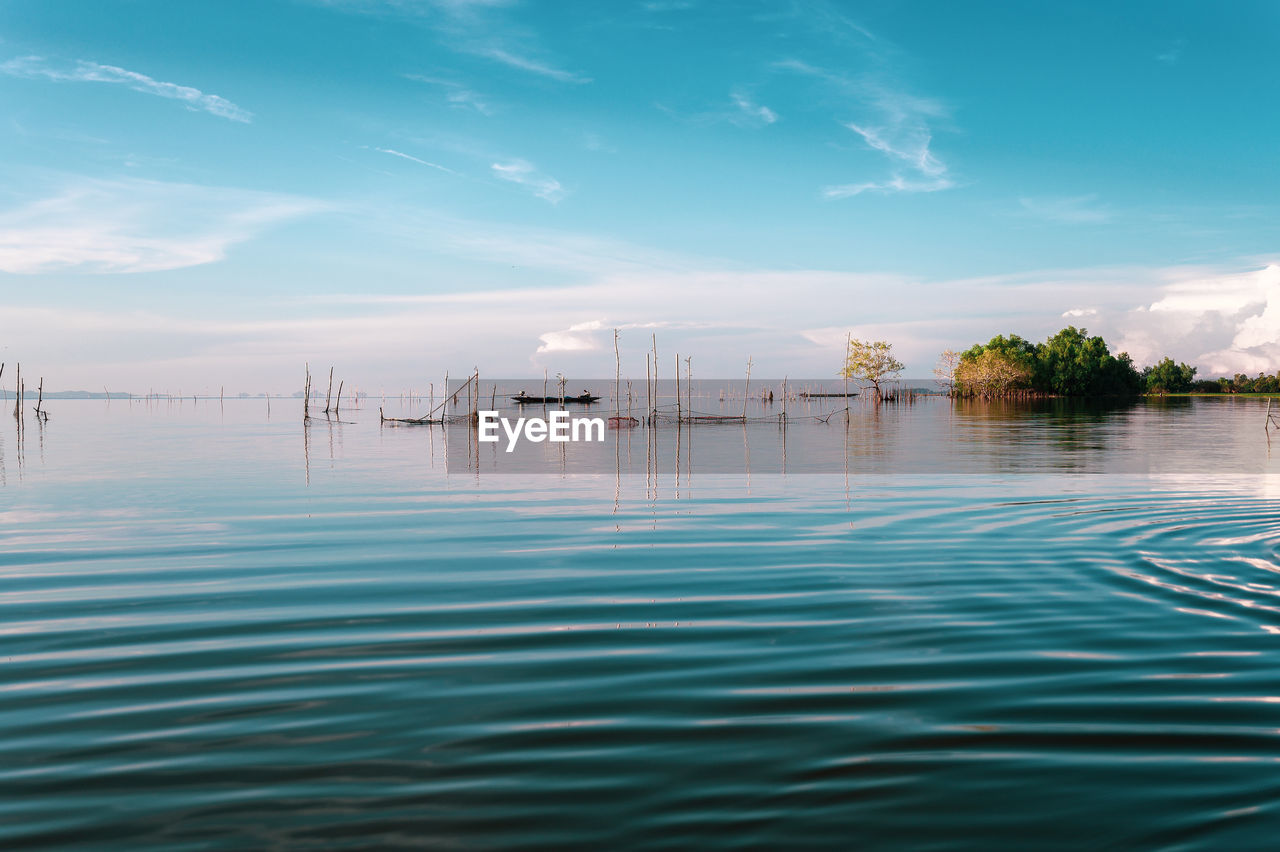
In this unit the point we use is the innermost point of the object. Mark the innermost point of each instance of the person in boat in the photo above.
(521, 395)
(585, 393)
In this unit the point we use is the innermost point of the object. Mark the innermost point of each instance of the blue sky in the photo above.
(197, 194)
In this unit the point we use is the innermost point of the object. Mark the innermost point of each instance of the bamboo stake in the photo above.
(848, 346)
(329, 392)
(617, 376)
(678, 413)
(648, 387)
(688, 384)
(746, 390)
(40, 401)
(338, 403)
(656, 397)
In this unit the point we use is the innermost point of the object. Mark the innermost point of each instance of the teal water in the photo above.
(223, 631)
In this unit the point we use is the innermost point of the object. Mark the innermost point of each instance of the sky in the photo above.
(210, 194)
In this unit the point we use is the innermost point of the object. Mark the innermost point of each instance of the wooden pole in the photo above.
(337, 405)
(329, 393)
(678, 413)
(844, 371)
(746, 390)
(617, 376)
(648, 387)
(688, 384)
(656, 396)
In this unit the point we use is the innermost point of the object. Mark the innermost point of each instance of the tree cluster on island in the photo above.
(1068, 363)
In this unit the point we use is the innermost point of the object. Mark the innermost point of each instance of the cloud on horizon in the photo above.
(783, 319)
(119, 226)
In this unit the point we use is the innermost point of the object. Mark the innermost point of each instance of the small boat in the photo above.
(584, 398)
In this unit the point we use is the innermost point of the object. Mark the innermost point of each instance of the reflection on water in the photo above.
(215, 638)
(932, 436)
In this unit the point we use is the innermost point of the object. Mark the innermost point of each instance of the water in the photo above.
(222, 632)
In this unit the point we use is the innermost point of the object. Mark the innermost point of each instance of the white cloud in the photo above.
(524, 63)
(895, 184)
(891, 121)
(1074, 210)
(911, 148)
(1171, 54)
(34, 67)
(457, 94)
(475, 27)
(117, 226)
(525, 174)
(1233, 320)
(752, 112)
(576, 338)
(413, 159)
(596, 142)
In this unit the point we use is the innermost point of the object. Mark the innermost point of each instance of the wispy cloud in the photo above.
(1074, 210)
(414, 159)
(891, 121)
(476, 27)
(456, 94)
(100, 226)
(895, 184)
(525, 174)
(35, 67)
(751, 112)
(1171, 54)
(596, 142)
(525, 63)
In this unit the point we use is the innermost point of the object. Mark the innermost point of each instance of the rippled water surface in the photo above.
(221, 630)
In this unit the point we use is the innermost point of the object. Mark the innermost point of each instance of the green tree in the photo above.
(1074, 364)
(1070, 363)
(1168, 377)
(992, 373)
(871, 361)
(1013, 349)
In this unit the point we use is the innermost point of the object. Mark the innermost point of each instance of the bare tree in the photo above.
(945, 371)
